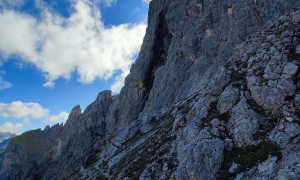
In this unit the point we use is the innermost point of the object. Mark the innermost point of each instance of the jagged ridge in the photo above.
(182, 114)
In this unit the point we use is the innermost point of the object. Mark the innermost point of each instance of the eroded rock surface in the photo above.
(214, 94)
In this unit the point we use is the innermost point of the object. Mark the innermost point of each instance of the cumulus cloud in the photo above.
(29, 111)
(25, 111)
(11, 127)
(80, 44)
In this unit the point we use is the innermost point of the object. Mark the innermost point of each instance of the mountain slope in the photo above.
(4, 136)
(4, 140)
(203, 101)
(3, 145)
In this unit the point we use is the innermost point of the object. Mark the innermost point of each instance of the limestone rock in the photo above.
(290, 68)
(283, 133)
(227, 100)
(233, 168)
(215, 123)
(185, 111)
(243, 124)
(267, 97)
(200, 160)
(287, 86)
(268, 166)
(298, 49)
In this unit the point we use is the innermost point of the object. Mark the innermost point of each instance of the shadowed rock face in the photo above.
(213, 94)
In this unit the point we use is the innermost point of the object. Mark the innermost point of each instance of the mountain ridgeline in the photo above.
(214, 94)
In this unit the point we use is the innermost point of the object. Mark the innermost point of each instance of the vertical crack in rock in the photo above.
(160, 49)
(182, 113)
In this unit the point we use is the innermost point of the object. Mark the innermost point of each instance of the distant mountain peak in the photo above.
(5, 138)
(6, 135)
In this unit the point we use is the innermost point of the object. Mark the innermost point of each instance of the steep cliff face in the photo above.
(213, 94)
(184, 40)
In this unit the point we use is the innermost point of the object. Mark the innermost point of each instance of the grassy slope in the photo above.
(34, 143)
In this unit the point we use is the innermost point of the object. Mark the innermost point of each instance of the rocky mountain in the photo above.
(5, 136)
(3, 145)
(4, 140)
(214, 94)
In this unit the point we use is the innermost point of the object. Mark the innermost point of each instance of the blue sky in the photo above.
(55, 54)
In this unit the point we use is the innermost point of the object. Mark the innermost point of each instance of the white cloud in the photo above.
(16, 35)
(97, 2)
(61, 117)
(107, 2)
(11, 127)
(119, 81)
(49, 85)
(30, 111)
(79, 44)
(146, 1)
(4, 84)
(20, 110)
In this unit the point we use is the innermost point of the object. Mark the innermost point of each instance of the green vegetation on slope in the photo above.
(33, 143)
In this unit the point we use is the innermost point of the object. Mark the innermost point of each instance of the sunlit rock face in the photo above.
(214, 94)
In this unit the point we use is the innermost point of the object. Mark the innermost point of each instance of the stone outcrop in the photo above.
(214, 94)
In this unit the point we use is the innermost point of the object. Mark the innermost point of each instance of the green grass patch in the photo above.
(34, 143)
(101, 177)
(135, 161)
(185, 109)
(247, 158)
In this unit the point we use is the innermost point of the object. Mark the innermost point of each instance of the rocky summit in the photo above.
(214, 94)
